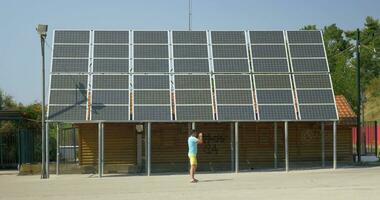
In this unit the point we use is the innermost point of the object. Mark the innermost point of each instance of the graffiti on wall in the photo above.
(212, 142)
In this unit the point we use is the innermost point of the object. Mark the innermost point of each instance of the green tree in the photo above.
(338, 55)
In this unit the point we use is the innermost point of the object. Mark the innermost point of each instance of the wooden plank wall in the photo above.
(119, 144)
(169, 144)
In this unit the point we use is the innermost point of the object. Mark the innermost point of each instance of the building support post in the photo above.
(232, 146)
(57, 154)
(275, 152)
(334, 144)
(100, 149)
(236, 147)
(148, 148)
(323, 143)
(286, 148)
(193, 125)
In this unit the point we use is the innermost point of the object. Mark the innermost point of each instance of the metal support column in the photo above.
(100, 149)
(102, 163)
(232, 146)
(193, 125)
(376, 147)
(57, 154)
(275, 152)
(236, 147)
(148, 148)
(334, 144)
(286, 148)
(47, 149)
(323, 143)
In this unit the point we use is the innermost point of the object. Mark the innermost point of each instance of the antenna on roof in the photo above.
(190, 15)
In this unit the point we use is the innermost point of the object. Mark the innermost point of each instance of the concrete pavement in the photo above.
(350, 183)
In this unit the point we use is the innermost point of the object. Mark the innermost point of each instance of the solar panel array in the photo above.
(190, 76)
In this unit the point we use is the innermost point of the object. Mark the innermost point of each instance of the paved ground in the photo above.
(354, 183)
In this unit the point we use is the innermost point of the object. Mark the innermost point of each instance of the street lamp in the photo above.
(42, 31)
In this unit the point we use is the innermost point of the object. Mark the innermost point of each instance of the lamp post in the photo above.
(42, 31)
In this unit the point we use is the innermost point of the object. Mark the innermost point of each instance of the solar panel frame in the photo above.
(315, 73)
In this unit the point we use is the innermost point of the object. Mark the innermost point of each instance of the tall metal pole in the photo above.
(334, 145)
(323, 143)
(286, 148)
(57, 154)
(236, 147)
(358, 123)
(44, 173)
(275, 153)
(190, 14)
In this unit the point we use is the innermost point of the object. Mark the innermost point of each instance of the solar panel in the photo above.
(111, 51)
(110, 97)
(71, 51)
(152, 113)
(234, 97)
(152, 97)
(193, 97)
(238, 112)
(268, 51)
(68, 97)
(276, 112)
(110, 82)
(312, 80)
(115, 37)
(192, 113)
(189, 37)
(270, 65)
(229, 51)
(151, 81)
(192, 81)
(153, 37)
(110, 112)
(110, 65)
(266, 37)
(272, 81)
(318, 112)
(274, 97)
(70, 113)
(191, 65)
(190, 76)
(231, 65)
(70, 65)
(228, 37)
(71, 37)
(151, 65)
(68, 82)
(304, 37)
(151, 51)
(310, 65)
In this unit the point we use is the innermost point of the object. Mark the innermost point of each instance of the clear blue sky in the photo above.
(20, 74)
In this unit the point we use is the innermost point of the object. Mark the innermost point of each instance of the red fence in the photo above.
(368, 138)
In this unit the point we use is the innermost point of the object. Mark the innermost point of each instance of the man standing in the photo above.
(193, 142)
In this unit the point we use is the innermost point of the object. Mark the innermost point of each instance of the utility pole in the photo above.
(190, 15)
(42, 31)
(358, 116)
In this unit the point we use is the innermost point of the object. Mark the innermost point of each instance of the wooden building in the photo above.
(124, 146)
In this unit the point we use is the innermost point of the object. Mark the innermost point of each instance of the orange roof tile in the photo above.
(344, 108)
